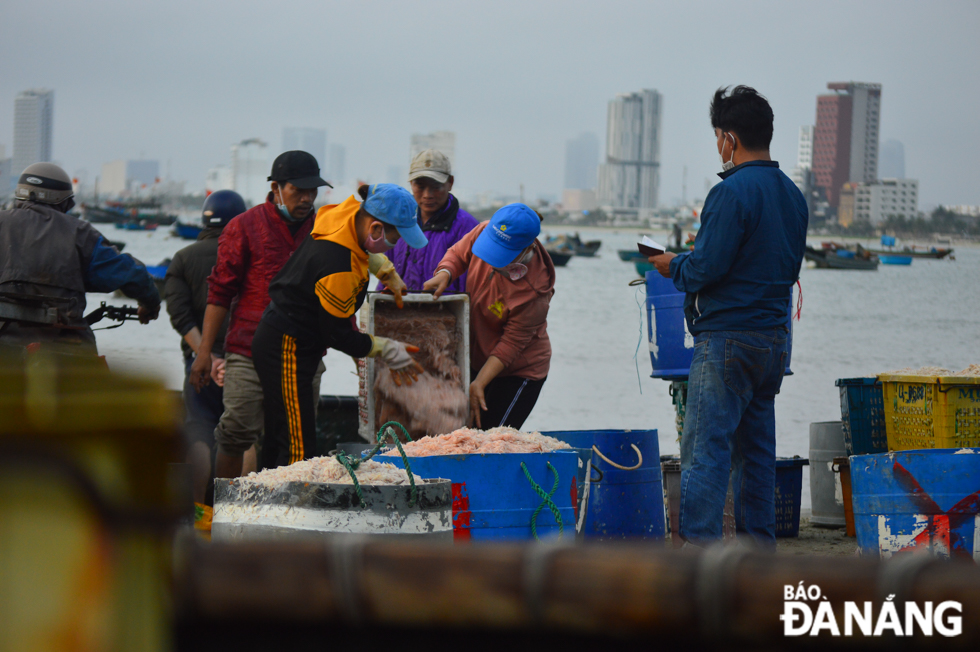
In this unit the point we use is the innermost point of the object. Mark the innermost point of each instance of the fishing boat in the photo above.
(110, 212)
(630, 255)
(888, 244)
(839, 257)
(134, 225)
(914, 252)
(894, 259)
(186, 231)
(559, 258)
(159, 274)
(574, 245)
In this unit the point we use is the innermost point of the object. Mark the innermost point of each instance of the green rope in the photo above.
(352, 464)
(545, 500)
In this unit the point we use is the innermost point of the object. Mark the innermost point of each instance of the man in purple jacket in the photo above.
(440, 217)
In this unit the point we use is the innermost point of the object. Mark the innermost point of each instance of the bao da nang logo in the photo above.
(807, 612)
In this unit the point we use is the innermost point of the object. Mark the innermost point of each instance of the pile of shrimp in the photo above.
(469, 440)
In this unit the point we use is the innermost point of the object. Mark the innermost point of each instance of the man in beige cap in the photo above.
(440, 217)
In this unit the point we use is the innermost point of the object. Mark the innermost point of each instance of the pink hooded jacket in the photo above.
(508, 319)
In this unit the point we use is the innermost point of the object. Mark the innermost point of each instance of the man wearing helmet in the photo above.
(186, 292)
(52, 259)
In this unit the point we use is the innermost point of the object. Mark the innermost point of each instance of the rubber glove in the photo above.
(397, 356)
(384, 271)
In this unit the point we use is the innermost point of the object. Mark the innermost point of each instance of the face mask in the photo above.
(285, 211)
(377, 245)
(518, 270)
(730, 163)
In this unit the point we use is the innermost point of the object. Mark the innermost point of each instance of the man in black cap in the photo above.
(251, 251)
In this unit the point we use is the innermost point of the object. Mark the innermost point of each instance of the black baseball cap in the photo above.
(298, 168)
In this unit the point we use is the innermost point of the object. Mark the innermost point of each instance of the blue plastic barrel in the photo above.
(918, 499)
(622, 504)
(671, 345)
(493, 500)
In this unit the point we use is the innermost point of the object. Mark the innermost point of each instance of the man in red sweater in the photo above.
(251, 251)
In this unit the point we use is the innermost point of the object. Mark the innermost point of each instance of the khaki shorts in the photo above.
(242, 422)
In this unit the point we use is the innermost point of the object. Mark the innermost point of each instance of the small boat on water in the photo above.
(186, 231)
(574, 245)
(159, 274)
(833, 256)
(559, 258)
(908, 251)
(133, 225)
(894, 259)
(116, 211)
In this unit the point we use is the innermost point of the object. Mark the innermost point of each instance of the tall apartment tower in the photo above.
(891, 161)
(630, 177)
(581, 162)
(250, 170)
(33, 117)
(442, 141)
(845, 147)
(313, 141)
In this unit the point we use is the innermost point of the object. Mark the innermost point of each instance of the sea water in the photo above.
(854, 323)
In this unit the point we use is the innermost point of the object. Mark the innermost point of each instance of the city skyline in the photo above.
(512, 103)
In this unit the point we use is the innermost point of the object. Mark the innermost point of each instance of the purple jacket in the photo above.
(416, 266)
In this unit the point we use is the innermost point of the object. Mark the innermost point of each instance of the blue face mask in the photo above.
(285, 211)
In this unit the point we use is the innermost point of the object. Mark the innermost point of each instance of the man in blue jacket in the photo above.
(50, 258)
(739, 282)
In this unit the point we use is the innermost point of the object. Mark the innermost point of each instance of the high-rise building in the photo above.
(338, 156)
(891, 161)
(630, 177)
(804, 159)
(442, 141)
(121, 177)
(581, 162)
(33, 117)
(845, 140)
(250, 170)
(218, 178)
(306, 139)
(875, 202)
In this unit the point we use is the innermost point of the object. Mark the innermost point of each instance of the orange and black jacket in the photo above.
(321, 287)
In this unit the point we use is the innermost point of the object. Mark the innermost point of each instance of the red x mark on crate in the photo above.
(940, 531)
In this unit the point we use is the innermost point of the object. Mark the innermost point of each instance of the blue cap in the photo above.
(511, 230)
(394, 205)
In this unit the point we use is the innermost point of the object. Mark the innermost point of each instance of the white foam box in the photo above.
(457, 304)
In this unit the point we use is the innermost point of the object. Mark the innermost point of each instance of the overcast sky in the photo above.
(181, 81)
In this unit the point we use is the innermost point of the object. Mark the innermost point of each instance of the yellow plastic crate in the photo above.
(931, 411)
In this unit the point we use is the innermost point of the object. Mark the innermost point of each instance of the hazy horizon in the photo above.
(182, 82)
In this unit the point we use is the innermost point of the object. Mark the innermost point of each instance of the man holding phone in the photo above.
(739, 282)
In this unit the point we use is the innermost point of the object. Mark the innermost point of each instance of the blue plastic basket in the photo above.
(862, 412)
(789, 495)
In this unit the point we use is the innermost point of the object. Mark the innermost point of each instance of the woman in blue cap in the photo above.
(510, 279)
(313, 301)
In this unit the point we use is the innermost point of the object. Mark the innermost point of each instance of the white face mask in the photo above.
(730, 163)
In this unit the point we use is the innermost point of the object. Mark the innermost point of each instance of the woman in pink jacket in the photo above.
(510, 279)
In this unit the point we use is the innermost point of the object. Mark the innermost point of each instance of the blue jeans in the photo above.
(730, 427)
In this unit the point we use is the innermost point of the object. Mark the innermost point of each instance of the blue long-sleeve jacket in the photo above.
(747, 254)
(47, 253)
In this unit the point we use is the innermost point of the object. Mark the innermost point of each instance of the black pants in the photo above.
(286, 367)
(510, 400)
